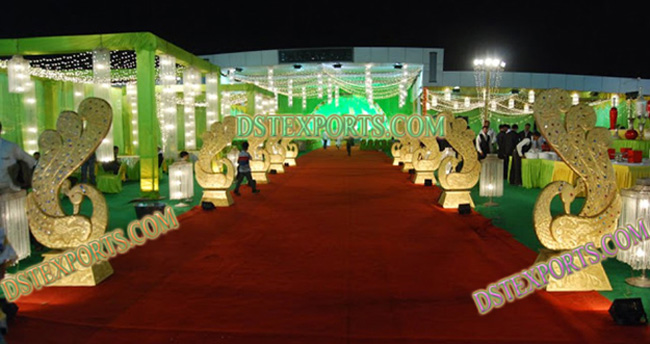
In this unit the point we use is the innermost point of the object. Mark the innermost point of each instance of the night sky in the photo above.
(591, 38)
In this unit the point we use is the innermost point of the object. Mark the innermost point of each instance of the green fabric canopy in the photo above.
(53, 96)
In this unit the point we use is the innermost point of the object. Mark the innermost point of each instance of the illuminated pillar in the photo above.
(146, 95)
(102, 89)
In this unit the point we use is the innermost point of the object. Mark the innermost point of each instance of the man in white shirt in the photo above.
(483, 141)
(527, 145)
(491, 134)
(10, 153)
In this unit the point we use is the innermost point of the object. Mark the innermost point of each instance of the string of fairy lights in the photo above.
(320, 80)
(102, 69)
(508, 104)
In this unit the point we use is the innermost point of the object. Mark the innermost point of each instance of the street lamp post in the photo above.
(484, 71)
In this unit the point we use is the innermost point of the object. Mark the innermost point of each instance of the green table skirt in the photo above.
(536, 173)
(641, 145)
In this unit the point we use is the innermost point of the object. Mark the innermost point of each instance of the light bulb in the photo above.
(639, 252)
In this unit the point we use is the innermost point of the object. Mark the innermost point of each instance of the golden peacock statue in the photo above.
(396, 151)
(456, 185)
(426, 160)
(63, 151)
(290, 150)
(260, 158)
(277, 152)
(212, 161)
(409, 145)
(583, 147)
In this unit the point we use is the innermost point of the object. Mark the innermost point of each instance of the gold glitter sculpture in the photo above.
(409, 145)
(63, 151)
(456, 185)
(396, 150)
(261, 159)
(209, 169)
(291, 151)
(277, 152)
(426, 160)
(583, 147)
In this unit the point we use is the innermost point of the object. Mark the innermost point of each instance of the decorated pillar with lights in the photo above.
(30, 121)
(168, 111)
(132, 100)
(191, 87)
(212, 98)
(369, 87)
(148, 145)
(102, 89)
(17, 73)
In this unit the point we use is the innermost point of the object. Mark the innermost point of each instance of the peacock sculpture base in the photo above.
(421, 176)
(593, 277)
(220, 198)
(451, 199)
(260, 177)
(277, 166)
(83, 277)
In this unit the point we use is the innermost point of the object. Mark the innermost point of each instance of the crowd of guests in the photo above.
(509, 144)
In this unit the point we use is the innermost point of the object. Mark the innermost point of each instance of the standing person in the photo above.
(348, 145)
(483, 141)
(522, 148)
(492, 135)
(529, 144)
(512, 140)
(244, 170)
(88, 169)
(188, 157)
(338, 142)
(113, 166)
(539, 142)
(501, 148)
(324, 140)
(10, 154)
(526, 134)
(509, 146)
(7, 258)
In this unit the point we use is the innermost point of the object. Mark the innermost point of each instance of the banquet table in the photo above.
(537, 173)
(641, 145)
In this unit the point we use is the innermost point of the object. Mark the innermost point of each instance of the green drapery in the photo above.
(11, 113)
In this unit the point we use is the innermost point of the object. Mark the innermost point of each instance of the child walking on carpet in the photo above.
(244, 170)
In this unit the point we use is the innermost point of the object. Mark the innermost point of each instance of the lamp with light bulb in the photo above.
(181, 182)
(491, 180)
(636, 206)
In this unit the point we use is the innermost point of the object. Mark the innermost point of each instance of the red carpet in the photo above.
(337, 250)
